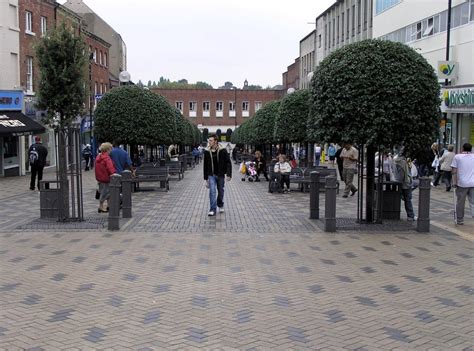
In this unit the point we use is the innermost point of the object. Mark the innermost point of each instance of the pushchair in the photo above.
(249, 171)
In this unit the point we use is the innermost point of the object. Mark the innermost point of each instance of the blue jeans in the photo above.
(406, 197)
(216, 182)
(317, 159)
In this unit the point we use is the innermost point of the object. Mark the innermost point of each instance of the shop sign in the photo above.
(459, 98)
(11, 100)
(447, 69)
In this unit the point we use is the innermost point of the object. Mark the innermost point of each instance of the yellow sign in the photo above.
(472, 134)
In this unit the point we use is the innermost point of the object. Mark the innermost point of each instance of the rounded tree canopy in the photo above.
(374, 92)
(136, 116)
(263, 123)
(292, 118)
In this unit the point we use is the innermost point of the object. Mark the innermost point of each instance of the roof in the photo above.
(14, 123)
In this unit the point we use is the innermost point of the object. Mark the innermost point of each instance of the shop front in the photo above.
(15, 128)
(458, 108)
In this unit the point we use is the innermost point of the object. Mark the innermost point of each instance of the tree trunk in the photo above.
(370, 173)
(63, 181)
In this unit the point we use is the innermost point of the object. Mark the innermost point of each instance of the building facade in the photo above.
(291, 78)
(424, 28)
(218, 108)
(307, 59)
(9, 45)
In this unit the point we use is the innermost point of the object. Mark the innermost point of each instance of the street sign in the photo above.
(98, 97)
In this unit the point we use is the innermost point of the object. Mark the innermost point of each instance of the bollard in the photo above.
(114, 202)
(330, 204)
(127, 194)
(314, 196)
(423, 222)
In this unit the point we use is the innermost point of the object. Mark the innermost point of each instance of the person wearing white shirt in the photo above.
(463, 180)
(283, 169)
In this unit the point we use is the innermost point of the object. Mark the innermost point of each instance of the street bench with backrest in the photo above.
(149, 173)
(175, 168)
(190, 161)
(302, 177)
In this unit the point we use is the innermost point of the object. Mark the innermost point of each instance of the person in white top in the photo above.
(317, 154)
(445, 168)
(463, 180)
(283, 169)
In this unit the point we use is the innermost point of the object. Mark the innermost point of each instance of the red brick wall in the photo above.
(214, 95)
(100, 72)
(38, 8)
(291, 78)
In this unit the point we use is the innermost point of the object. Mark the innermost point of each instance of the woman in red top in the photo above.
(104, 168)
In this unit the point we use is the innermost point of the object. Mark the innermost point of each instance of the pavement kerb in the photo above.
(462, 233)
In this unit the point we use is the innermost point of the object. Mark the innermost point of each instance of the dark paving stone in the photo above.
(303, 269)
(36, 348)
(292, 254)
(196, 335)
(424, 249)
(437, 243)
(407, 255)
(32, 299)
(176, 253)
(116, 253)
(36, 268)
(149, 246)
(124, 241)
(425, 316)
(103, 267)
(402, 237)
(204, 261)
(130, 277)
(273, 279)
(387, 243)
(115, 301)
(61, 315)
(297, 334)
(344, 279)
(233, 254)
(329, 262)
(205, 247)
(39, 246)
(448, 302)
(141, 259)
(389, 262)
(95, 335)
(152, 317)
(463, 255)
(79, 259)
(2, 331)
(59, 252)
(94, 246)
(58, 277)
(73, 241)
(433, 270)
(335, 242)
(243, 316)
(266, 261)
(17, 259)
(449, 262)
(166, 269)
(316, 289)
(260, 247)
(200, 301)
(392, 289)
(281, 301)
(466, 289)
(413, 279)
(85, 287)
(315, 248)
(352, 236)
(3, 252)
(284, 242)
(368, 248)
(366, 301)
(239, 289)
(201, 278)
(236, 269)
(350, 255)
(368, 270)
(396, 334)
(335, 316)
(22, 240)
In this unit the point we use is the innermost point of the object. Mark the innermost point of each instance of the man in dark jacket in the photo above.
(216, 166)
(37, 154)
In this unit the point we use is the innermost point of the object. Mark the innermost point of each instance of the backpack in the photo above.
(33, 156)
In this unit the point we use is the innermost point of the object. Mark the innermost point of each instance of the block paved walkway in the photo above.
(260, 276)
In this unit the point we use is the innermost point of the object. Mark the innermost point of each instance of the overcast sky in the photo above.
(211, 40)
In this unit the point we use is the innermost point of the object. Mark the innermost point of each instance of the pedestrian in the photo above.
(196, 154)
(350, 155)
(403, 176)
(332, 153)
(217, 168)
(317, 154)
(37, 154)
(261, 166)
(293, 162)
(424, 159)
(463, 181)
(340, 161)
(120, 158)
(445, 168)
(87, 155)
(104, 168)
(283, 170)
(173, 152)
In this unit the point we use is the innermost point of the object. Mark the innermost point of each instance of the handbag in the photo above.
(97, 194)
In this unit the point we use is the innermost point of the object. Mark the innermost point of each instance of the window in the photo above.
(429, 25)
(353, 19)
(205, 106)
(464, 13)
(365, 14)
(13, 15)
(179, 106)
(231, 106)
(343, 28)
(435, 24)
(348, 24)
(29, 74)
(472, 11)
(219, 106)
(44, 25)
(333, 31)
(325, 36)
(28, 22)
(95, 55)
(359, 18)
(245, 106)
(100, 57)
(319, 40)
(105, 59)
(382, 5)
(192, 106)
(337, 30)
(443, 21)
(258, 105)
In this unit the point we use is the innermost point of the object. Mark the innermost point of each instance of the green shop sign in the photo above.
(459, 98)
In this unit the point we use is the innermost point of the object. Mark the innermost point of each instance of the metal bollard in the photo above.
(330, 204)
(114, 202)
(127, 194)
(423, 222)
(314, 196)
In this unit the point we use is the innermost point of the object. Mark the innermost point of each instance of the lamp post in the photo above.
(91, 119)
(235, 107)
(446, 82)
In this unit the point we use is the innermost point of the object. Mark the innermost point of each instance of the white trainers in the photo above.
(211, 213)
(220, 209)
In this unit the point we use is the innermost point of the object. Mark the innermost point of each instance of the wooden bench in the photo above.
(152, 174)
(175, 168)
(303, 179)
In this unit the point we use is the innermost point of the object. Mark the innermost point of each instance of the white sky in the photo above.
(211, 40)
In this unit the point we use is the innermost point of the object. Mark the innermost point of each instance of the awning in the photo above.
(15, 123)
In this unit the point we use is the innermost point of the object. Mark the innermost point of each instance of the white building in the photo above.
(9, 45)
(423, 26)
(307, 59)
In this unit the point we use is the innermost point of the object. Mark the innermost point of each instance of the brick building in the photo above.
(291, 78)
(218, 108)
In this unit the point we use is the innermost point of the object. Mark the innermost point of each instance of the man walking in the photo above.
(120, 158)
(350, 155)
(463, 180)
(87, 154)
(403, 176)
(216, 166)
(37, 154)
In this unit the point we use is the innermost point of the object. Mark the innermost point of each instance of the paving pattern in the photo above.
(260, 276)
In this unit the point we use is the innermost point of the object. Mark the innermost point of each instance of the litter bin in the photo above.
(49, 199)
(391, 200)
